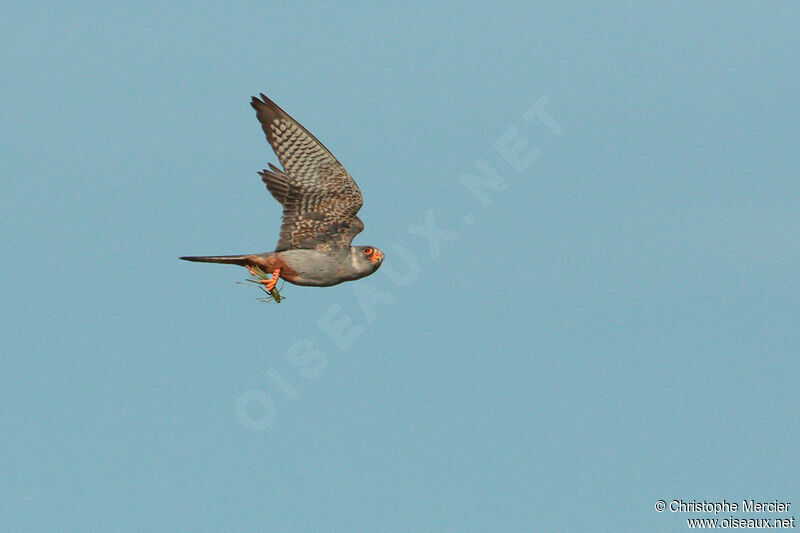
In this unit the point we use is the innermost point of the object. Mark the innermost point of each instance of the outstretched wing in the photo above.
(320, 199)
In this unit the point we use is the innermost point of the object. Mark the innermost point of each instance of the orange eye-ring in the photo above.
(368, 251)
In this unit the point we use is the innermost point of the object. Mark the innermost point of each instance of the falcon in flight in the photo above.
(320, 201)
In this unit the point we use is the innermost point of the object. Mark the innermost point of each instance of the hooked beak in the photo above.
(376, 257)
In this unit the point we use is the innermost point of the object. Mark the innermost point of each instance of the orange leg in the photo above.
(270, 283)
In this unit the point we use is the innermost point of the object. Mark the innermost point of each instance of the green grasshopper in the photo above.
(258, 277)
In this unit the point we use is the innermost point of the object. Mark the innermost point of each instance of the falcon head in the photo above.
(366, 258)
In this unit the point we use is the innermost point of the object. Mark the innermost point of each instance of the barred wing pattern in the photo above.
(320, 199)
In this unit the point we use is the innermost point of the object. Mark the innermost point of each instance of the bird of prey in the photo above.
(320, 201)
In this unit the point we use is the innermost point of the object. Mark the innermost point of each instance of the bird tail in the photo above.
(226, 259)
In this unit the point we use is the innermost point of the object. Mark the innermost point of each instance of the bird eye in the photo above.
(368, 251)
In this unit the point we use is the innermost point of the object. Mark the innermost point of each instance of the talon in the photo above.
(270, 283)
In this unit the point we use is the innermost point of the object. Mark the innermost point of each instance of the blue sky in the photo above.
(609, 319)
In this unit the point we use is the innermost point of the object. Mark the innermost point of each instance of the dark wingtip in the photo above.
(264, 101)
